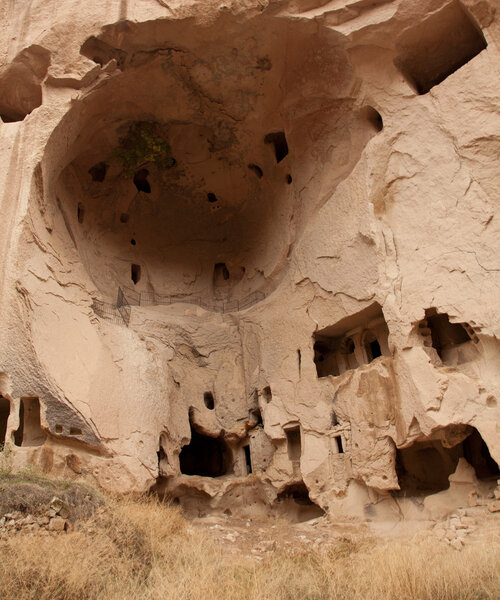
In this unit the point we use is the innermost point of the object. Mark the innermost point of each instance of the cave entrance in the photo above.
(4, 417)
(453, 342)
(205, 456)
(227, 199)
(424, 467)
(477, 454)
(295, 503)
(354, 341)
(30, 432)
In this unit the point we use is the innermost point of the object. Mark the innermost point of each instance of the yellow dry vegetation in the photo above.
(142, 549)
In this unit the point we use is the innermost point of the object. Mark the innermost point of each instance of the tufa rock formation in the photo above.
(250, 251)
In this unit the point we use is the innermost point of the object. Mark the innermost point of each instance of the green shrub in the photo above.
(143, 144)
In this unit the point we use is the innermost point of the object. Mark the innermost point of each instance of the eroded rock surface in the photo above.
(250, 252)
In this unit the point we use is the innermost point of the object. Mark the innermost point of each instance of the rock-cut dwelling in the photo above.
(250, 253)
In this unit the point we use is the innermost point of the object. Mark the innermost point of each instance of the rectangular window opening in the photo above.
(294, 443)
(248, 459)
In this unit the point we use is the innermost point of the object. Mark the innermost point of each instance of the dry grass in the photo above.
(29, 491)
(140, 549)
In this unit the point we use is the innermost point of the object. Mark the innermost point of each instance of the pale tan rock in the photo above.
(59, 507)
(473, 498)
(494, 506)
(308, 318)
(57, 524)
(457, 544)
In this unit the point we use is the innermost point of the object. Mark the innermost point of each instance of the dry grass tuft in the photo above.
(28, 491)
(142, 549)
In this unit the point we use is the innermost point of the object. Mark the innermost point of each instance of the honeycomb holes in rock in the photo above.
(213, 152)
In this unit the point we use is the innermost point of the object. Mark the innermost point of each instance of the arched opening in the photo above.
(208, 399)
(373, 117)
(295, 503)
(135, 273)
(221, 273)
(20, 83)
(214, 206)
(477, 454)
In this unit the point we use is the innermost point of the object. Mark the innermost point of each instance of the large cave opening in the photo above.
(205, 456)
(248, 128)
(424, 467)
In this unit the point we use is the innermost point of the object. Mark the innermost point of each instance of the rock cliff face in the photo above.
(250, 250)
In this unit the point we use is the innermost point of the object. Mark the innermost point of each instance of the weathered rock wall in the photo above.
(335, 174)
